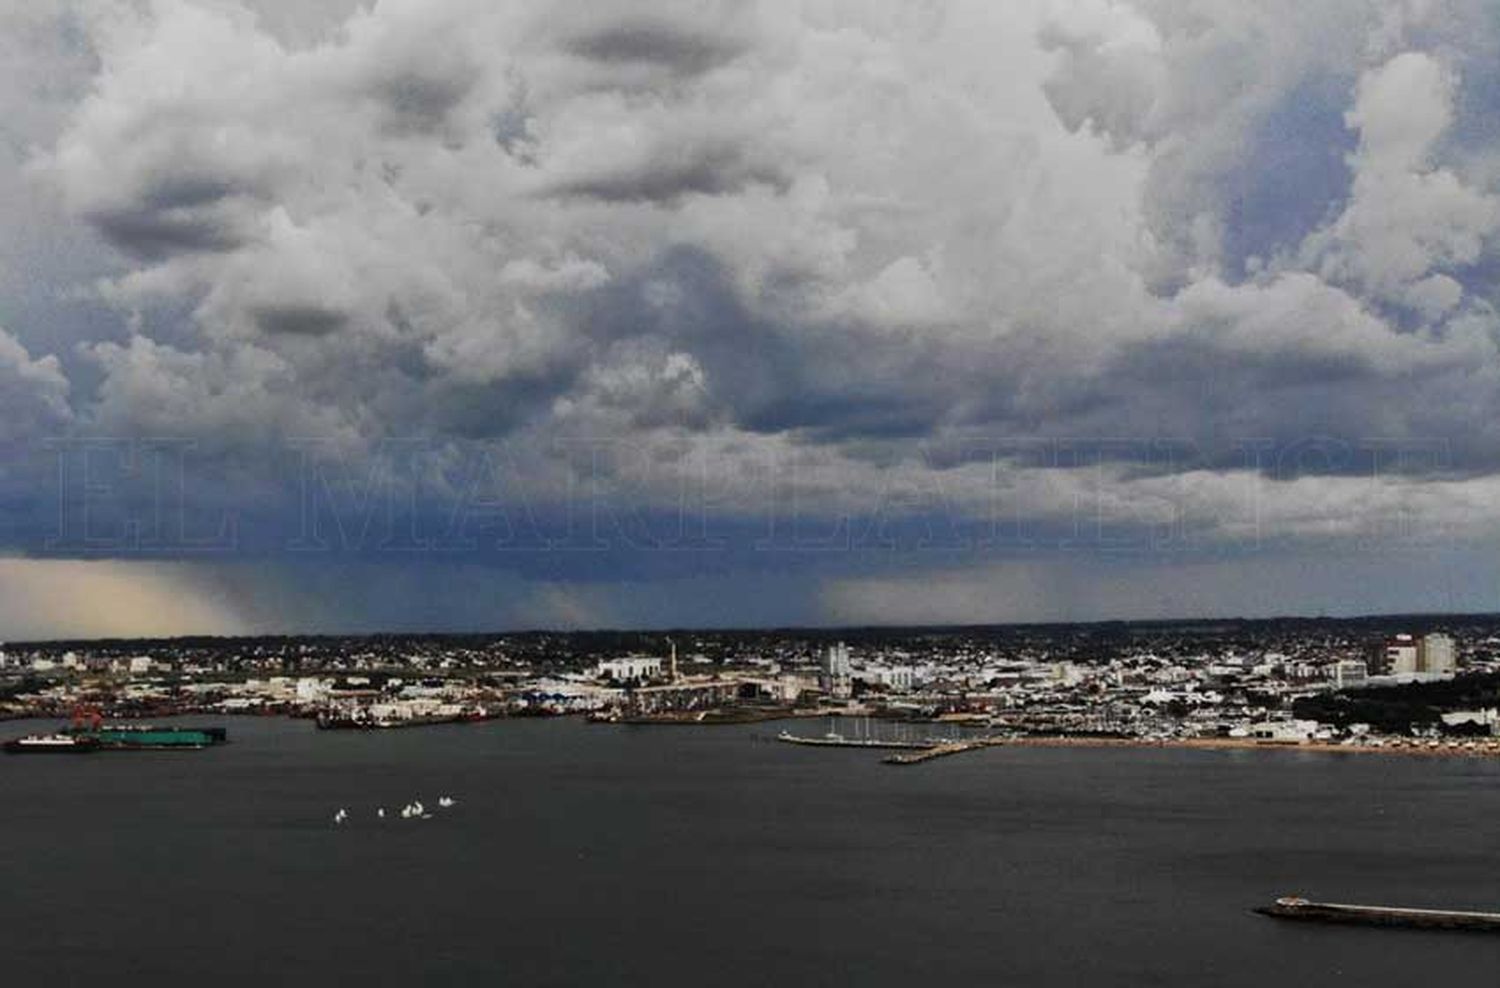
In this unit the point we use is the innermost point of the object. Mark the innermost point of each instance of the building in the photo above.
(1396, 656)
(1436, 655)
(1287, 730)
(1431, 656)
(1348, 673)
(837, 675)
(1487, 718)
(310, 689)
(899, 678)
(632, 667)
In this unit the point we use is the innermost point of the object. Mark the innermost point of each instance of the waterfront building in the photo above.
(311, 689)
(1285, 730)
(630, 667)
(1487, 717)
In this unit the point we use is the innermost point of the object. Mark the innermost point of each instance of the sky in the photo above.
(492, 314)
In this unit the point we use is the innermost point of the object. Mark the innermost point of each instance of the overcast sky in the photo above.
(481, 314)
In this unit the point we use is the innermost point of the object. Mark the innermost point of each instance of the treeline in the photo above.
(1396, 709)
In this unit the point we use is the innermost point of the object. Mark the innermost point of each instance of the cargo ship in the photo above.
(1296, 907)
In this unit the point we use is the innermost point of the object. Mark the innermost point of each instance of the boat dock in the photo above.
(1296, 907)
(839, 741)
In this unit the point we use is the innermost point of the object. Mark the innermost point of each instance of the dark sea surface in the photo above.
(588, 854)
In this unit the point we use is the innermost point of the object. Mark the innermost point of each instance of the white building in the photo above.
(1286, 730)
(898, 678)
(1400, 656)
(1348, 673)
(1437, 655)
(630, 667)
(1488, 717)
(836, 678)
(310, 689)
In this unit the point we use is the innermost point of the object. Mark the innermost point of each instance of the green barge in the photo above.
(147, 737)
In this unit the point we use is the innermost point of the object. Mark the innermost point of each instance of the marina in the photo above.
(839, 741)
(866, 734)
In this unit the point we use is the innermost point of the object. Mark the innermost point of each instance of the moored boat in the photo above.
(52, 744)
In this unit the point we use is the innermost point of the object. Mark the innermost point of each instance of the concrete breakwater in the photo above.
(940, 751)
(1298, 908)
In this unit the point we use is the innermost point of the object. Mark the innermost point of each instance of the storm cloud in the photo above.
(880, 241)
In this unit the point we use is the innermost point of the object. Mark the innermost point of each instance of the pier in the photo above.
(839, 741)
(941, 751)
(1298, 908)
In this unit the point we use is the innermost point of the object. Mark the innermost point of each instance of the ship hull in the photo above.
(146, 737)
(21, 746)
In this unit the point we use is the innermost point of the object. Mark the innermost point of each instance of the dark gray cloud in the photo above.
(661, 43)
(302, 320)
(156, 232)
(669, 173)
(419, 101)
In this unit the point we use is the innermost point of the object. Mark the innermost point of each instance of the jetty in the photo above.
(941, 750)
(1298, 908)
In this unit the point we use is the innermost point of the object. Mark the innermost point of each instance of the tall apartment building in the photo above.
(1403, 654)
(836, 678)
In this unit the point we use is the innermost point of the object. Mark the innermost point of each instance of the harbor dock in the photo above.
(839, 741)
